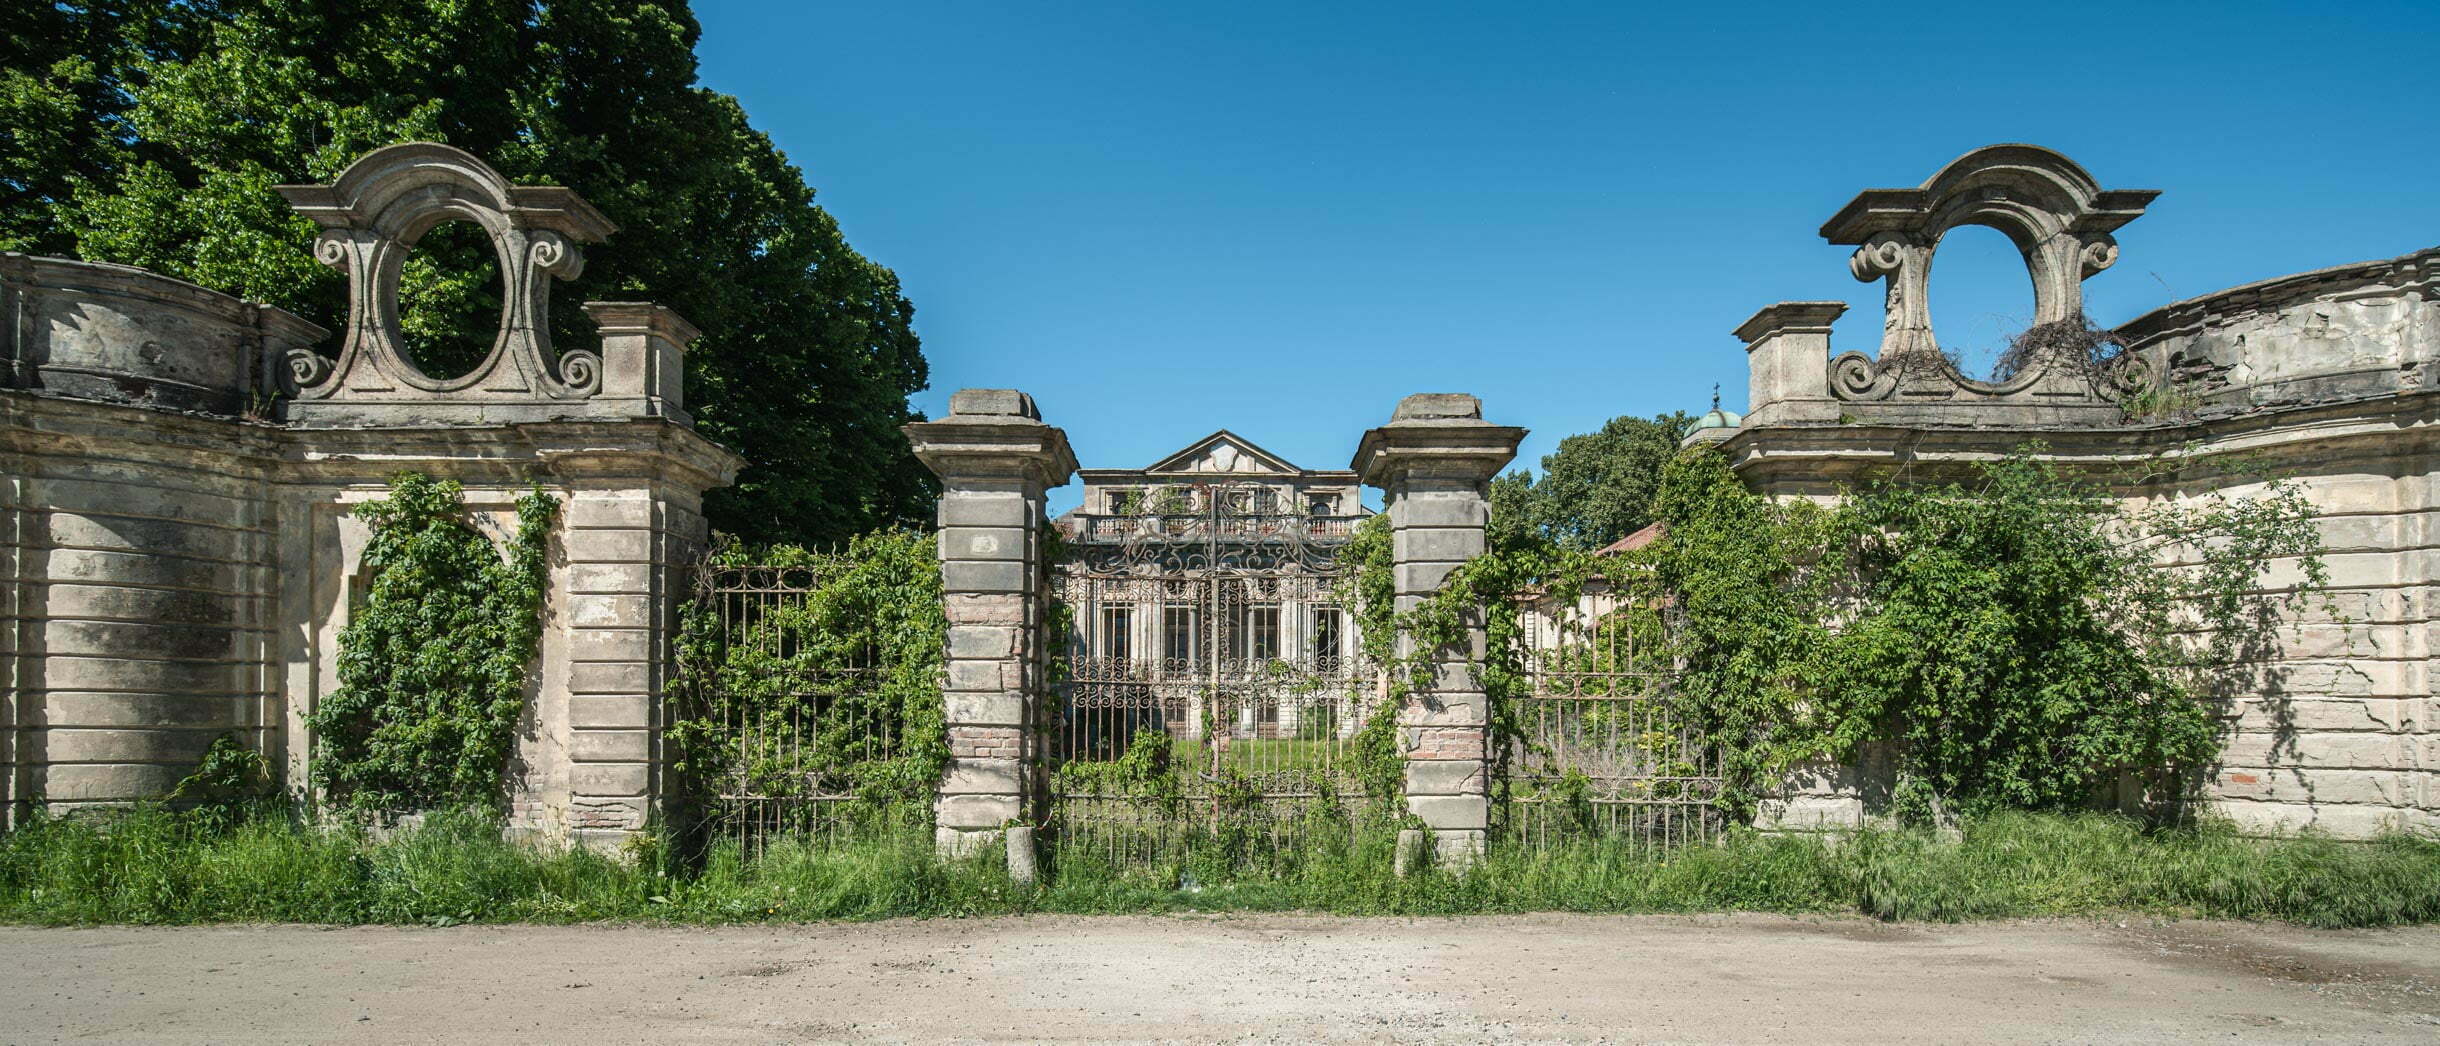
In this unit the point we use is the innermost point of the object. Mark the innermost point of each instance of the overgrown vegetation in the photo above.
(2011, 642)
(1596, 488)
(151, 133)
(2014, 640)
(434, 659)
(157, 866)
(2075, 341)
(826, 684)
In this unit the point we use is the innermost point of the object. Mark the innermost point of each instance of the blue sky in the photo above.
(1162, 219)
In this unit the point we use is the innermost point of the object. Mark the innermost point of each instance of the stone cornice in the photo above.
(1789, 457)
(1438, 434)
(569, 451)
(2418, 272)
(1790, 317)
(993, 434)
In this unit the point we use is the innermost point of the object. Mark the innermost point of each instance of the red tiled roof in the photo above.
(1635, 540)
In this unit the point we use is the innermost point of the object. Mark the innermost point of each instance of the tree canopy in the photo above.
(151, 132)
(1596, 488)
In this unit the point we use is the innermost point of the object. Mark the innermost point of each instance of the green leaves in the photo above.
(832, 690)
(150, 132)
(2023, 641)
(433, 662)
(1597, 488)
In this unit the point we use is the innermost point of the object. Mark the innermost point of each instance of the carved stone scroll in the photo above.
(371, 218)
(2058, 216)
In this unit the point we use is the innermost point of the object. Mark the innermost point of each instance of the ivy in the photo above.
(2024, 640)
(1484, 590)
(835, 689)
(434, 660)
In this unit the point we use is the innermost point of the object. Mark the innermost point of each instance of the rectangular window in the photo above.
(1178, 633)
(1115, 625)
(1327, 623)
(1262, 632)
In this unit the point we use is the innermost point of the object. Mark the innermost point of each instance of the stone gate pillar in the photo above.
(1434, 461)
(995, 459)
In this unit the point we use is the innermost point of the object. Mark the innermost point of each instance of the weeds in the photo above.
(160, 866)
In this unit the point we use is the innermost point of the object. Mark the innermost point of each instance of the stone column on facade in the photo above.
(1435, 461)
(995, 458)
(1787, 359)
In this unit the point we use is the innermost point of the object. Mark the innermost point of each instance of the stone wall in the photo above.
(180, 537)
(2328, 378)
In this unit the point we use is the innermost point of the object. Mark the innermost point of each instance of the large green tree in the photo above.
(1596, 488)
(150, 132)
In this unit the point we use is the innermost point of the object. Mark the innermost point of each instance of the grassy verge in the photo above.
(155, 866)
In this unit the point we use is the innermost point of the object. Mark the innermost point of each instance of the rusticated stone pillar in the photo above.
(1435, 460)
(995, 459)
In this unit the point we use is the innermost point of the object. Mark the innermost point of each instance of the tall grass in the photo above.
(158, 866)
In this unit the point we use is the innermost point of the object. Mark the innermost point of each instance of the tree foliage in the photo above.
(434, 659)
(151, 132)
(1596, 488)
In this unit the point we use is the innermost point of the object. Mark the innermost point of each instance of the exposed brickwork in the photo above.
(986, 742)
(1435, 460)
(995, 458)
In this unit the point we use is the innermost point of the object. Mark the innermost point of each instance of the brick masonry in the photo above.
(996, 459)
(1435, 460)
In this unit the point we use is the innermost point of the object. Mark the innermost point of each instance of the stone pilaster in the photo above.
(995, 458)
(623, 550)
(1435, 460)
(1787, 359)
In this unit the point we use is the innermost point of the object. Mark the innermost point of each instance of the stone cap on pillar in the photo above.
(1443, 432)
(1789, 317)
(993, 433)
(644, 356)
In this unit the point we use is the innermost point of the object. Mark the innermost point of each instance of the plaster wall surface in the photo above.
(2330, 379)
(182, 478)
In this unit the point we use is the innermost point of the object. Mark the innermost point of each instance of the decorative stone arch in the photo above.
(2058, 216)
(371, 218)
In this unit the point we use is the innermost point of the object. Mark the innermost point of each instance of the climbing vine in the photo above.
(831, 687)
(434, 660)
(2020, 640)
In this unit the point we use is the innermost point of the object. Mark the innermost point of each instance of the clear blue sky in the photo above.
(1161, 219)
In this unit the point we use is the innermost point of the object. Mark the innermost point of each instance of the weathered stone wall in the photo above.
(180, 529)
(139, 562)
(996, 459)
(2330, 378)
(1433, 463)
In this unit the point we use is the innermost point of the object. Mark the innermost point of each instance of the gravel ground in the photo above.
(1238, 978)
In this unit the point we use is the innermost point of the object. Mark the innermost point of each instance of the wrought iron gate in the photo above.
(780, 709)
(1211, 680)
(1596, 749)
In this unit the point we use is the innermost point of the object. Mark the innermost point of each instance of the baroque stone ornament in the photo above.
(371, 218)
(2055, 213)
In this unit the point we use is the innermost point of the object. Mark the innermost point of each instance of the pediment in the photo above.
(1224, 453)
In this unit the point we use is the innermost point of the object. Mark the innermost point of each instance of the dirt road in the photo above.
(1259, 979)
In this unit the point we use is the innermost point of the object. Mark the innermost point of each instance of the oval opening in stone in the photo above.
(449, 294)
(1980, 297)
